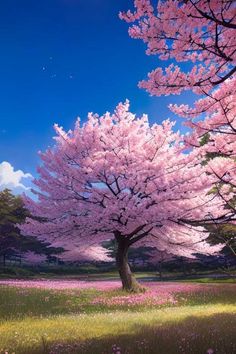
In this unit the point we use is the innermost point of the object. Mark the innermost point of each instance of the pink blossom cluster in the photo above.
(34, 258)
(201, 32)
(148, 298)
(220, 127)
(62, 284)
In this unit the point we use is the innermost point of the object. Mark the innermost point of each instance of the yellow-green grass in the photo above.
(42, 321)
(36, 335)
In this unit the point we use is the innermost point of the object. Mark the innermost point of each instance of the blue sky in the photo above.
(61, 59)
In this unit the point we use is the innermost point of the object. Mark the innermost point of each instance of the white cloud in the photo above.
(9, 178)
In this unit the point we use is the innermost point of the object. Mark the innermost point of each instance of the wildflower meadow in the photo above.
(72, 316)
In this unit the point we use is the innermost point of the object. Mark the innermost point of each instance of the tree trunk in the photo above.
(160, 270)
(129, 283)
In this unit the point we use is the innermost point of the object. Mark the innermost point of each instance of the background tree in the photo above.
(138, 256)
(117, 177)
(224, 234)
(160, 258)
(12, 243)
(12, 212)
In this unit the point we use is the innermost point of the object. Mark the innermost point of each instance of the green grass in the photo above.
(93, 272)
(82, 273)
(19, 303)
(211, 280)
(34, 321)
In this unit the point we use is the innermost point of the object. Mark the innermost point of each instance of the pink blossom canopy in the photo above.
(118, 173)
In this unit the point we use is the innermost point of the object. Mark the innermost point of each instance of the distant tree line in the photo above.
(14, 247)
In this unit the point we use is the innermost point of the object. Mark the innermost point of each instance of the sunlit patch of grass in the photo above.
(38, 335)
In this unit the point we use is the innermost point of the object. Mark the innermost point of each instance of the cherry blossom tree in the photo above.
(33, 258)
(200, 34)
(118, 177)
(159, 258)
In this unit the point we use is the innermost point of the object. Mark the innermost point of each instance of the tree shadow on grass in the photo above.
(214, 334)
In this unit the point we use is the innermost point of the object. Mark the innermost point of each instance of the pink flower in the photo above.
(210, 351)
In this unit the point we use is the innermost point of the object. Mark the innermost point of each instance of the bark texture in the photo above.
(129, 283)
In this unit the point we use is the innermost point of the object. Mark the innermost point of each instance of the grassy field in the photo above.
(99, 318)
